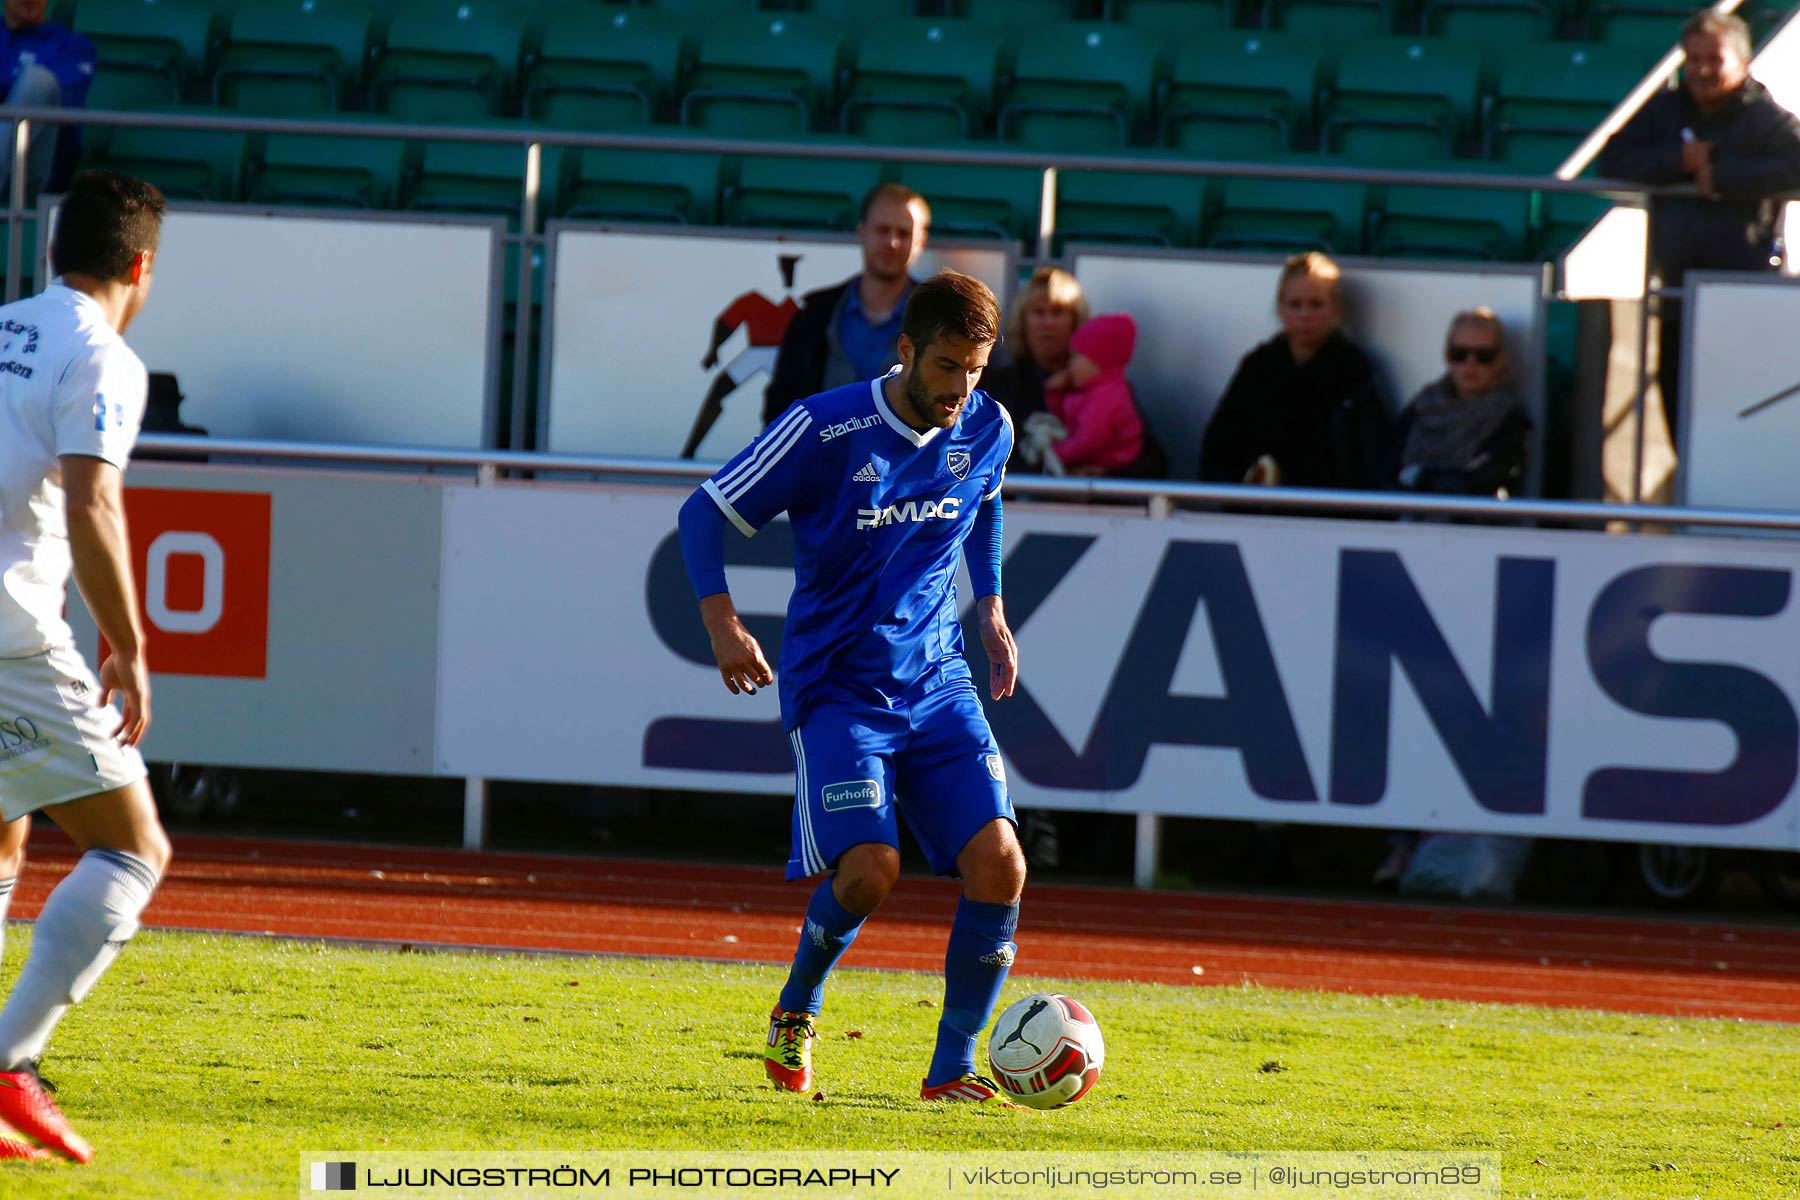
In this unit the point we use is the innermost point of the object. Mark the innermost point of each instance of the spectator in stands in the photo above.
(47, 65)
(1302, 409)
(1723, 132)
(1464, 433)
(1090, 402)
(1050, 308)
(849, 332)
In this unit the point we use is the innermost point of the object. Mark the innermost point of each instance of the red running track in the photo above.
(613, 906)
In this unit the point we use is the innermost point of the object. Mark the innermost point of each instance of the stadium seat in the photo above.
(764, 75)
(1079, 85)
(1555, 93)
(698, 14)
(1399, 100)
(1129, 207)
(978, 201)
(1288, 215)
(800, 193)
(132, 91)
(1495, 23)
(294, 56)
(1017, 15)
(1652, 25)
(449, 61)
(1413, 221)
(604, 67)
(1331, 21)
(665, 186)
(187, 164)
(1241, 79)
(474, 177)
(328, 171)
(921, 80)
(858, 15)
(168, 40)
(1174, 18)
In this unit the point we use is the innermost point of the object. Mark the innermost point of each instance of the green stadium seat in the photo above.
(1288, 215)
(858, 15)
(698, 14)
(1558, 92)
(473, 177)
(604, 67)
(1331, 21)
(665, 186)
(187, 164)
(1648, 24)
(921, 80)
(1174, 18)
(1129, 207)
(449, 61)
(1415, 221)
(1079, 85)
(1564, 219)
(293, 56)
(800, 193)
(1399, 100)
(979, 201)
(1018, 14)
(766, 74)
(328, 171)
(1242, 80)
(168, 40)
(1497, 23)
(132, 91)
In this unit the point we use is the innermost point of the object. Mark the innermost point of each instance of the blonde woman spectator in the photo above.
(1048, 311)
(1302, 409)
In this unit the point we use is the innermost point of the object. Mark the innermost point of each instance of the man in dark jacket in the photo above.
(1723, 132)
(847, 333)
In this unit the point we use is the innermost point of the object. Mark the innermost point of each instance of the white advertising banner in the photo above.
(643, 326)
(327, 327)
(1198, 315)
(1740, 396)
(1336, 672)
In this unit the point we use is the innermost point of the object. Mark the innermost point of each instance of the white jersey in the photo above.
(68, 385)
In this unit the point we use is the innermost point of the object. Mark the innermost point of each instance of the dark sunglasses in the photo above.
(1485, 355)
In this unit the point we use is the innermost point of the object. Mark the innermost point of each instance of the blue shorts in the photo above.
(929, 755)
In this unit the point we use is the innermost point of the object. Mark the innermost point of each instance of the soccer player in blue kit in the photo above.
(885, 483)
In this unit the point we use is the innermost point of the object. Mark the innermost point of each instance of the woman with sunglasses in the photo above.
(1465, 433)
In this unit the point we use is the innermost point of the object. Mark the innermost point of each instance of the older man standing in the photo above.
(1722, 131)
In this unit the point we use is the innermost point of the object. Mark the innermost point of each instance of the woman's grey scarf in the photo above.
(1447, 431)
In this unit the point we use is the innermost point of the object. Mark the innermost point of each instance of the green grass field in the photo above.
(203, 1066)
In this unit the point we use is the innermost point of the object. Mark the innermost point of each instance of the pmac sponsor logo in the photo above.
(827, 432)
(202, 567)
(19, 739)
(912, 511)
(1494, 726)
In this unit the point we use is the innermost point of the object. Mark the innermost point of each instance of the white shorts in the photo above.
(56, 741)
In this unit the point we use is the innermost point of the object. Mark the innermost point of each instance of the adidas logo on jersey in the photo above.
(867, 475)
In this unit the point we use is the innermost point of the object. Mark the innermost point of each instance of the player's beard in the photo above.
(925, 406)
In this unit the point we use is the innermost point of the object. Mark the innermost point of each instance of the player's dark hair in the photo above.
(106, 220)
(951, 304)
(899, 193)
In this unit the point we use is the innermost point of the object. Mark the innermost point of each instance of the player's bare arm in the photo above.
(1002, 650)
(101, 550)
(740, 657)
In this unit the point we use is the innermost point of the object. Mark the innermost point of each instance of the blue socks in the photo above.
(827, 932)
(975, 966)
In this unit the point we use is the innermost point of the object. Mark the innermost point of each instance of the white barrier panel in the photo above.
(1740, 394)
(291, 616)
(1335, 672)
(632, 315)
(327, 327)
(1198, 315)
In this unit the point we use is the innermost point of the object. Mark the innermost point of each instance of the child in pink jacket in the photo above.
(1093, 401)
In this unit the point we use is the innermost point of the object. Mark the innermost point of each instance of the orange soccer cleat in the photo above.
(27, 1107)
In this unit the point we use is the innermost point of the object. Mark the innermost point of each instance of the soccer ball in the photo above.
(1046, 1051)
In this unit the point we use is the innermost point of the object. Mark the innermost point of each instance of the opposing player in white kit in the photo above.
(71, 397)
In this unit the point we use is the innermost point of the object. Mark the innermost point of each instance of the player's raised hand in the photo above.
(1002, 650)
(739, 655)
